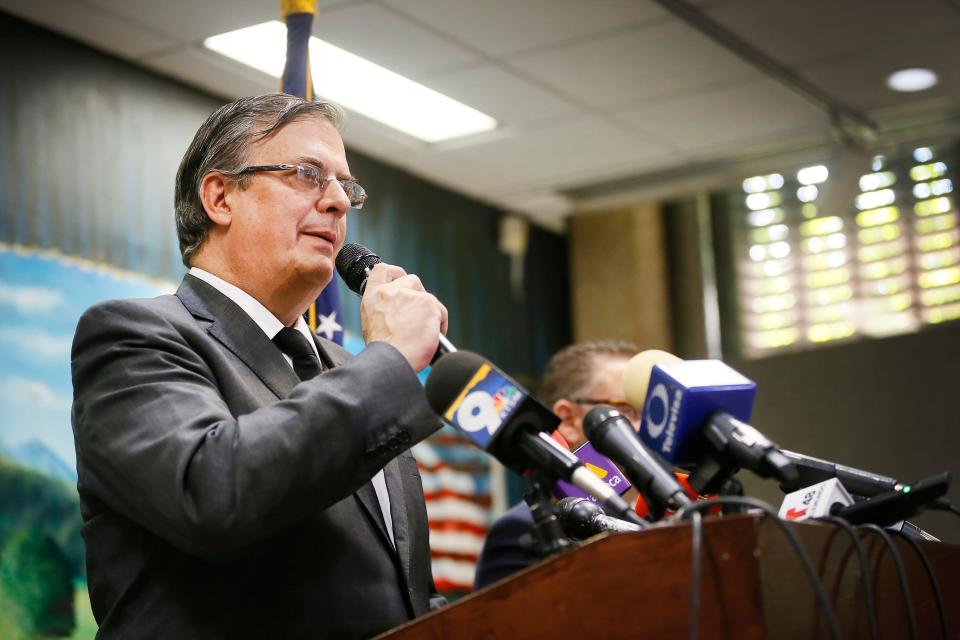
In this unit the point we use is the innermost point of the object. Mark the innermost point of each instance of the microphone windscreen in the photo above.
(636, 375)
(488, 407)
(352, 263)
(448, 378)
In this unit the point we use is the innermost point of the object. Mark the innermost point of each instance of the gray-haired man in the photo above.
(239, 477)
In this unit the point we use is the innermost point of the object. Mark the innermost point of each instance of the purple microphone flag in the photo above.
(600, 465)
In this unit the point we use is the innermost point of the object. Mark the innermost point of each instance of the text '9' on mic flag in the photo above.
(324, 315)
(486, 405)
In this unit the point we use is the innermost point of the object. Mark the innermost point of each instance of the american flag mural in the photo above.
(456, 485)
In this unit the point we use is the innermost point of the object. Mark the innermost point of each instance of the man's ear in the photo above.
(214, 189)
(567, 412)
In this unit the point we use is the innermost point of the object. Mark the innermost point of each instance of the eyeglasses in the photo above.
(309, 176)
(626, 409)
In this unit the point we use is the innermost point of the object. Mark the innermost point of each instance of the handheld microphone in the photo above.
(501, 417)
(698, 409)
(354, 262)
(830, 498)
(857, 481)
(887, 508)
(816, 501)
(612, 434)
(581, 519)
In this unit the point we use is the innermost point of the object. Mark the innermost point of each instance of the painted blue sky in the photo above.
(42, 296)
(41, 299)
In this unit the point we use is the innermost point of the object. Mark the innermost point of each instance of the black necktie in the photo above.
(295, 345)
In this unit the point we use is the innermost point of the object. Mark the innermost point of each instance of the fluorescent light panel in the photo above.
(357, 84)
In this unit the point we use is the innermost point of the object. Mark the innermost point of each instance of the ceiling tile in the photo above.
(498, 27)
(500, 93)
(729, 116)
(860, 80)
(797, 32)
(103, 31)
(188, 20)
(213, 73)
(390, 40)
(638, 65)
(579, 148)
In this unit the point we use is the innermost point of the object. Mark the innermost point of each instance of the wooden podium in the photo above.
(753, 586)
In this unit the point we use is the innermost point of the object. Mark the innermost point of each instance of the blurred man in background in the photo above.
(577, 378)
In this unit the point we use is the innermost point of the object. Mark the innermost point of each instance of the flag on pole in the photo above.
(455, 474)
(324, 314)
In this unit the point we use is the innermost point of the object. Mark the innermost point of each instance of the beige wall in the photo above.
(619, 277)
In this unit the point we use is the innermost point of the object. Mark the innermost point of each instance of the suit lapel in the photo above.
(398, 513)
(235, 330)
(367, 496)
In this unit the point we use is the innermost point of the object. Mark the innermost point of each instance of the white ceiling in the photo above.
(598, 102)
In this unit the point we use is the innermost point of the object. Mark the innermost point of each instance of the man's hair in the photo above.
(571, 369)
(223, 142)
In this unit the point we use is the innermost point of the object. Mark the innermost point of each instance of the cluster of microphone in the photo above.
(695, 418)
(694, 437)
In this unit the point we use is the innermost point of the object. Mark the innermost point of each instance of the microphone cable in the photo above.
(934, 584)
(901, 575)
(866, 576)
(824, 599)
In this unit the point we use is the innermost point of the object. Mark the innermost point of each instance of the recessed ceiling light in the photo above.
(357, 84)
(911, 80)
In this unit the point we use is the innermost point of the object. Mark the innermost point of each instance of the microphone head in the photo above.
(579, 509)
(581, 506)
(582, 519)
(486, 405)
(576, 516)
(449, 376)
(352, 262)
(597, 422)
(636, 376)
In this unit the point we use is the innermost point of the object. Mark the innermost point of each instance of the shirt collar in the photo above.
(262, 316)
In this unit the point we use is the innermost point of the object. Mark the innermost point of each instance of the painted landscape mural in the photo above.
(42, 294)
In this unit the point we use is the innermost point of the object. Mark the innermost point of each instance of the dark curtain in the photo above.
(89, 147)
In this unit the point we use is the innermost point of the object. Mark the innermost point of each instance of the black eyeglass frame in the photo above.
(355, 192)
(622, 406)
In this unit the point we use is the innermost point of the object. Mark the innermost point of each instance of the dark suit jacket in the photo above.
(222, 498)
(503, 554)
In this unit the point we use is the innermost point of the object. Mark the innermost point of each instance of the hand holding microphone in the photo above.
(395, 308)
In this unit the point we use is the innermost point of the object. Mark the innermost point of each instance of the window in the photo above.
(811, 271)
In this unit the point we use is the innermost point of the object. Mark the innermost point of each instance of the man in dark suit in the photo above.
(577, 378)
(239, 477)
